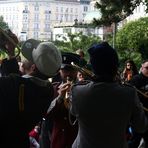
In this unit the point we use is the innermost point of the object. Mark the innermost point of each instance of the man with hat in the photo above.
(103, 107)
(24, 100)
(63, 131)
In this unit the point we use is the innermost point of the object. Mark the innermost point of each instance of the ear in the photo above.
(33, 67)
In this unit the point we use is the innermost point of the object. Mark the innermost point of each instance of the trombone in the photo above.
(85, 71)
(145, 95)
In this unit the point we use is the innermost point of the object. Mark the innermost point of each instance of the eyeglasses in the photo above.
(146, 68)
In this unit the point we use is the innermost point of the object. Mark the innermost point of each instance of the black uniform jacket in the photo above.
(23, 103)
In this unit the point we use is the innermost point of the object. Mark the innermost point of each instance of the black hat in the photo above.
(103, 59)
(68, 58)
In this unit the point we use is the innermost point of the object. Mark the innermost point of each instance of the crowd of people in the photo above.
(75, 109)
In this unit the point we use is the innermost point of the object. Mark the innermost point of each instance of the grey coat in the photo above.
(104, 110)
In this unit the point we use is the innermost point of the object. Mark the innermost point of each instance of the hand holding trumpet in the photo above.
(64, 93)
(64, 89)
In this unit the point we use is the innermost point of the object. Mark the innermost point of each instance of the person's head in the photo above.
(144, 68)
(45, 56)
(80, 52)
(104, 61)
(67, 70)
(80, 76)
(27, 67)
(130, 65)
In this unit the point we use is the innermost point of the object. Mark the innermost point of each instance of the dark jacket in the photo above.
(24, 101)
(63, 132)
(104, 110)
(141, 83)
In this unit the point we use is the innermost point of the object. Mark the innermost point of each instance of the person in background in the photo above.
(129, 71)
(81, 76)
(26, 67)
(34, 137)
(140, 81)
(103, 107)
(81, 53)
(24, 101)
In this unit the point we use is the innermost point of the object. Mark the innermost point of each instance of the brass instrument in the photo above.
(92, 75)
(66, 99)
(85, 71)
(145, 95)
(67, 104)
(6, 37)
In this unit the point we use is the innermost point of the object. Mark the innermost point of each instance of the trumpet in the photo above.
(67, 104)
(66, 99)
(7, 36)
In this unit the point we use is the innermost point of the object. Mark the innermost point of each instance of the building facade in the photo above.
(37, 18)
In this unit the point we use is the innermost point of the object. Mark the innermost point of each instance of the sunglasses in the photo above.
(146, 68)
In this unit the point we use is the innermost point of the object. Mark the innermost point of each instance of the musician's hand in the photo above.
(63, 89)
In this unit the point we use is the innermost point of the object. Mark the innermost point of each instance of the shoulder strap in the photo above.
(21, 97)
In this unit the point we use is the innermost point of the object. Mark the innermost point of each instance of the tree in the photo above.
(114, 11)
(77, 41)
(3, 24)
(132, 39)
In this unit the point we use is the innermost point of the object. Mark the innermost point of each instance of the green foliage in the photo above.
(132, 41)
(77, 41)
(114, 11)
(3, 24)
(128, 54)
(133, 37)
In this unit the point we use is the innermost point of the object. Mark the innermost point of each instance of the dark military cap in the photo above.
(68, 58)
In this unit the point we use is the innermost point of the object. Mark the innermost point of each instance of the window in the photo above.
(47, 26)
(85, 8)
(36, 17)
(56, 9)
(57, 17)
(71, 10)
(66, 30)
(66, 17)
(36, 26)
(71, 17)
(36, 35)
(47, 17)
(25, 26)
(66, 10)
(61, 9)
(76, 10)
(36, 8)
(61, 19)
